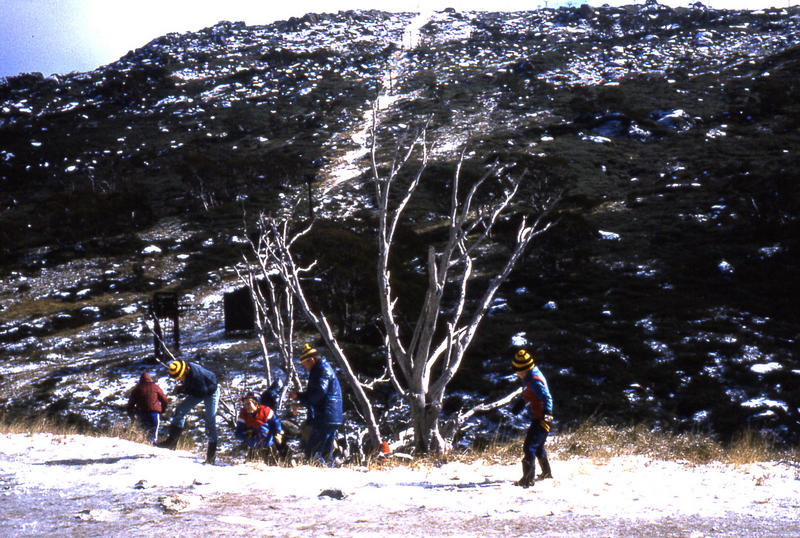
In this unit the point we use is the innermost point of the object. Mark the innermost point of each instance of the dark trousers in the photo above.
(150, 422)
(534, 442)
(320, 443)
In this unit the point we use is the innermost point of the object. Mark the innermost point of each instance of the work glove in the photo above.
(545, 422)
(279, 438)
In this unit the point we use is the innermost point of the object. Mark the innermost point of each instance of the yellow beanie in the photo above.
(522, 361)
(307, 352)
(177, 369)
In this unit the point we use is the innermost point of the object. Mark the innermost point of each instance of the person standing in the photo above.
(323, 399)
(199, 385)
(146, 403)
(539, 404)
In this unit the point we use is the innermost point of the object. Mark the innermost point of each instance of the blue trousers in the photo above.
(211, 402)
(258, 439)
(534, 442)
(150, 422)
(320, 443)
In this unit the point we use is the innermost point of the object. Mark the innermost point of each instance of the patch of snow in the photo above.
(766, 368)
(768, 252)
(725, 267)
(765, 402)
(519, 340)
(609, 236)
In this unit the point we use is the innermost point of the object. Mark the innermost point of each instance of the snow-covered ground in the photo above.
(54, 485)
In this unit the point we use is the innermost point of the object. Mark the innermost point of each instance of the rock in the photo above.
(675, 120)
(612, 125)
(174, 504)
(95, 515)
(333, 494)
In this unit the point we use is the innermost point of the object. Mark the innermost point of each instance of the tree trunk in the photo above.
(425, 417)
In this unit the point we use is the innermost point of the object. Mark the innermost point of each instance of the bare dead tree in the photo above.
(422, 363)
(274, 310)
(274, 256)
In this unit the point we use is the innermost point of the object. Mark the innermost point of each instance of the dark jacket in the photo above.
(323, 395)
(147, 397)
(199, 382)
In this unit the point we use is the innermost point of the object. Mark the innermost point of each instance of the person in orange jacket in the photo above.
(258, 425)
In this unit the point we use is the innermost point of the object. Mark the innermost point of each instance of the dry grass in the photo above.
(45, 425)
(600, 441)
(591, 439)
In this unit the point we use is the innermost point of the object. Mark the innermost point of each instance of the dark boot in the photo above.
(211, 453)
(528, 471)
(545, 465)
(171, 442)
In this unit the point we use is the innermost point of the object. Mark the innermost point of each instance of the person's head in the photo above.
(250, 403)
(522, 362)
(308, 357)
(178, 369)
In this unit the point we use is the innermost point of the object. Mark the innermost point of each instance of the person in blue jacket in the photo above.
(539, 404)
(199, 385)
(323, 399)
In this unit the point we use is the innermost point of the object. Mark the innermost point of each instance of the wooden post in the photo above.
(165, 305)
(157, 338)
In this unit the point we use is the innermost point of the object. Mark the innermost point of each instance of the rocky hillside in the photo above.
(667, 292)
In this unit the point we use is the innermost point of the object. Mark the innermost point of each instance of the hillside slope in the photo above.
(666, 294)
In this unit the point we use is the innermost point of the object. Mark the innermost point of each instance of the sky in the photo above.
(62, 36)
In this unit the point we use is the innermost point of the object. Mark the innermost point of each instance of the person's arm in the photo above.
(241, 429)
(274, 423)
(162, 398)
(131, 407)
(315, 393)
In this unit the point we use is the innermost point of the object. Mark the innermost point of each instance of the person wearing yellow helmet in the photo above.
(539, 404)
(199, 385)
(323, 400)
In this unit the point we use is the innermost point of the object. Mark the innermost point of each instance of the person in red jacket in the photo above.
(146, 403)
(258, 426)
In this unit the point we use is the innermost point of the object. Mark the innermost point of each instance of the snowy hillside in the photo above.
(666, 293)
(53, 485)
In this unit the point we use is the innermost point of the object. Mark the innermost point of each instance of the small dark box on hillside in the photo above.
(165, 304)
(239, 311)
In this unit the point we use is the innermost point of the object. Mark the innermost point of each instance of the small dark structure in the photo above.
(164, 306)
(240, 312)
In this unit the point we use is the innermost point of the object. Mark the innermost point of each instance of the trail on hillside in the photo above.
(347, 167)
(89, 486)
